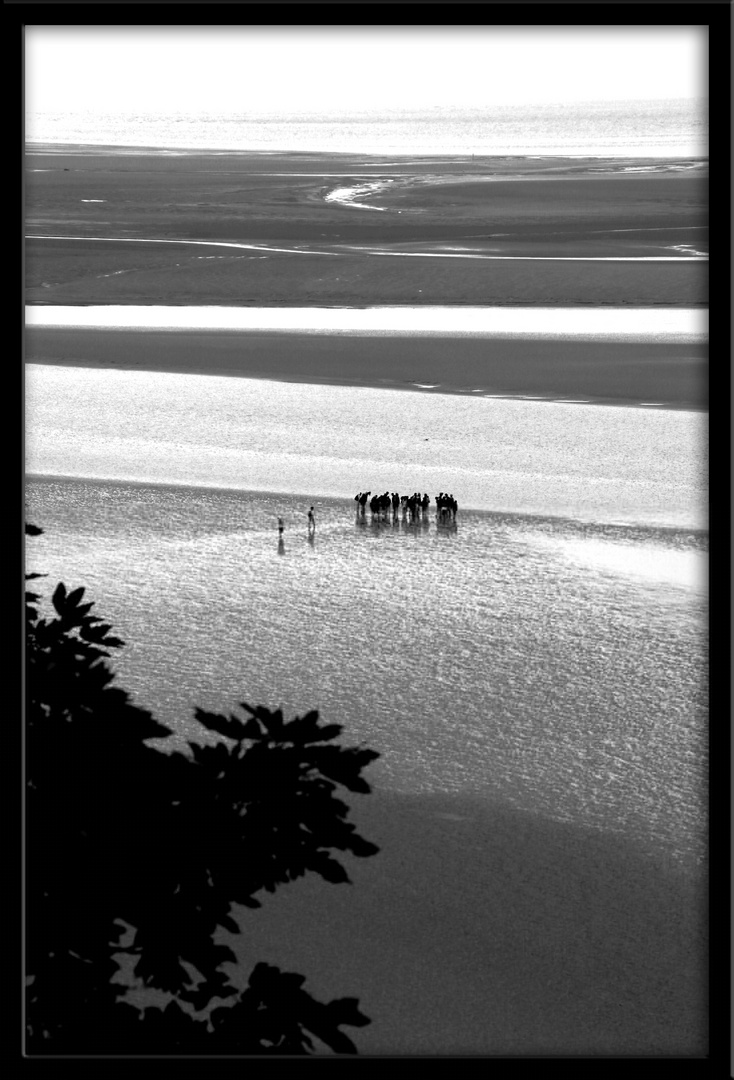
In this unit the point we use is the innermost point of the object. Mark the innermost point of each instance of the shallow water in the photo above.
(587, 462)
(654, 128)
(546, 665)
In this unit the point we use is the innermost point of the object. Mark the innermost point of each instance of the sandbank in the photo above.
(672, 375)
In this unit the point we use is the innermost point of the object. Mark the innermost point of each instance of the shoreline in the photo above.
(428, 156)
(479, 926)
(620, 403)
(698, 536)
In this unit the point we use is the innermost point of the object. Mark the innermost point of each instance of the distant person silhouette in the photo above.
(311, 522)
(281, 526)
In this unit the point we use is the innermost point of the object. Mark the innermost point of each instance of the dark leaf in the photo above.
(271, 719)
(248, 901)
(306, 729)
(177, 845)
(361, 847)
(328, 868)
(229, 726)
(59, 597)
(346, 1011)
(266, 978)
(98, 636)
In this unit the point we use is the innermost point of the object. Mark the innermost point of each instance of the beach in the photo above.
(536, 691)
(124, 226)
(576, 460)
(535, 680)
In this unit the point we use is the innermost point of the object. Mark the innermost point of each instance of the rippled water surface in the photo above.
(550, 666)
(657, 128)
(588, 462)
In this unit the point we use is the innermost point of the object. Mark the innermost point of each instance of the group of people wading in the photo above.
(415, 505)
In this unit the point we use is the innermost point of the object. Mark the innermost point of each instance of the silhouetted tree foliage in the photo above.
(138, 854)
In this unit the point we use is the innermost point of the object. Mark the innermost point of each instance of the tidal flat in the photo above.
(668, 374)
(536, 688)
(346, 230)
(537, 693)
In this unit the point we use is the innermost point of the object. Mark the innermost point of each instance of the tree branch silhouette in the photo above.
(121, 833)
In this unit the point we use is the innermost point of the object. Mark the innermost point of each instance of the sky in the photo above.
(337, 70)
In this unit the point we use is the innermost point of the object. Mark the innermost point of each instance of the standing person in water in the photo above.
(311, 521)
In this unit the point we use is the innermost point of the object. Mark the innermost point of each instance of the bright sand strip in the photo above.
(673, 374)
(479, 929)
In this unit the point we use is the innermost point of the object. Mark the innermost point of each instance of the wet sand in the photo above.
(75, 272)
(478, 929)
(338, 253)
(627, 373)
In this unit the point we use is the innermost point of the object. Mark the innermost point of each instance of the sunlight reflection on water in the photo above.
(496, 659)
(649, 563)
(661, 324)
(587, 462)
